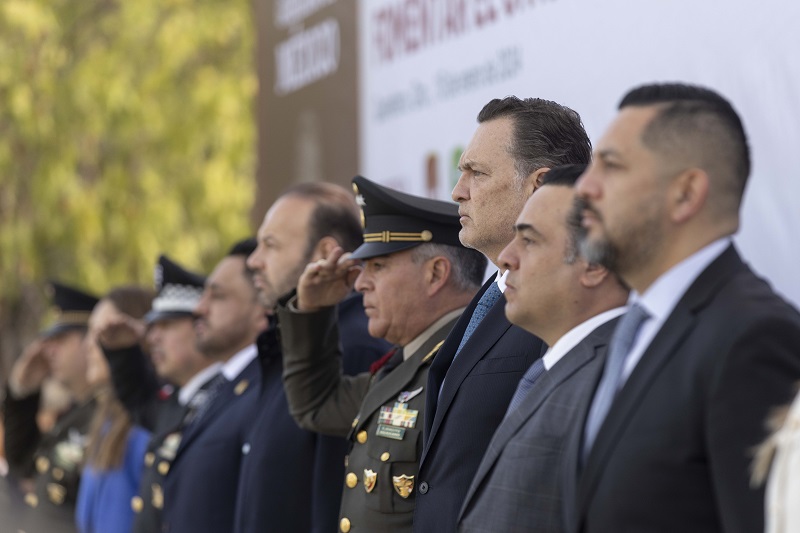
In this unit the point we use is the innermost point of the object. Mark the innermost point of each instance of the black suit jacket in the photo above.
(518, 484)
(474, 399)
(673, 453)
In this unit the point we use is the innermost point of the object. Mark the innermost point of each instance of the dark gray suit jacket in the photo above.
(517, 487)
(674, 451)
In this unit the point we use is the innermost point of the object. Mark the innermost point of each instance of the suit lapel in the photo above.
(594, 345)
(444, 359)
(223, 399)
(493, 326)
(674, 330)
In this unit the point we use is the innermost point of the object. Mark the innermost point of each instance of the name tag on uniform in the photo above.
(390, 432)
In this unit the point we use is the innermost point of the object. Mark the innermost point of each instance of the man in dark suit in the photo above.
(416, 280)
(200, 489)
(572, 305)
(469, 388)
(304, 225)
(706, 348)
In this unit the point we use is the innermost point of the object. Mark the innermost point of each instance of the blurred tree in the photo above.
(126, 130)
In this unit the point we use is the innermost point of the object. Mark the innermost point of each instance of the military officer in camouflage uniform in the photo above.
(52, 461)
(416, 280)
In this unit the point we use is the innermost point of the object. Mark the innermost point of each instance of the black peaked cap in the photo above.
(395, 221)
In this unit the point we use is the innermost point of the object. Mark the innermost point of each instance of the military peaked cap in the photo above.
(395, 221)
(179, 291)
(73, 308)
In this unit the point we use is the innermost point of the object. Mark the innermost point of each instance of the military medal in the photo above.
(403, 485)
(370, 478)
(405, 396)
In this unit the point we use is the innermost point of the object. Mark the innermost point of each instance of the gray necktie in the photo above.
(202, 400)
(621, 343)
(526, 384)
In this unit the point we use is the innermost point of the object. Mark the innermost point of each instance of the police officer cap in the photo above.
(395, 221)
(179, 291)
(73, 308)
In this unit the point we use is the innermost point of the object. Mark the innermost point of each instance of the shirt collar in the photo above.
(186, 392)
(420, 339)
(663, 295)
(574, 336)
(236, 364)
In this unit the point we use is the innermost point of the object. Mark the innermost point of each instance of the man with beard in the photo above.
(305, 224)
(706, 348)
(200, 489)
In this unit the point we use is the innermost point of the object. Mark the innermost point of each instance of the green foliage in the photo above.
(126, 130)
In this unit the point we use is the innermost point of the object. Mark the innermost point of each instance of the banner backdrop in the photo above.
(428, 66)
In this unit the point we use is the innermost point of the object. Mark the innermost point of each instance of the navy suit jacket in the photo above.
(200, 489)
(674, 451)
(460, 423)
(291, 479)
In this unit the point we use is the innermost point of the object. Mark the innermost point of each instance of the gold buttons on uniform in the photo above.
(58, 474)
(163, 468)
(31, 499)
(241, 387)
(344, 525)
(42, 464)
(385, 456)
(351, 480)
(149, 459)
(137, 504)
(361, 437)
(56, 493)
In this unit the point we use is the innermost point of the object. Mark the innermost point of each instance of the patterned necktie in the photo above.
(482, 308)
(203, 398)
(621, 343)
(525, 385)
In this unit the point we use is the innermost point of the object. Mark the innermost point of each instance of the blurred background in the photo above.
(128, 129)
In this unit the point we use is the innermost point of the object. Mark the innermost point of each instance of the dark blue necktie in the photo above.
(482, 308)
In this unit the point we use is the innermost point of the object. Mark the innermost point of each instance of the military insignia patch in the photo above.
(170, 445)
(405, 396)
(370, 479)
(403, 485)
(399, 415)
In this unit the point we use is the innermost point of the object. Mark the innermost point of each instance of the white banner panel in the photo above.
(428, 66)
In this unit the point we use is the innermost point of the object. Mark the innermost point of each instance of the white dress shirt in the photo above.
(188, 391)
(574, 336)
(236, 364)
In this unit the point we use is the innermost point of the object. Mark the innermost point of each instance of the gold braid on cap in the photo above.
(73, 317)
(398, 236)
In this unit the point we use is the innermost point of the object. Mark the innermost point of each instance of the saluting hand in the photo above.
(120, 331)
(29, 371)
(327, 282)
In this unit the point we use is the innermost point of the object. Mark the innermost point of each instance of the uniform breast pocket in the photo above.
(393, 469)
(499, 365)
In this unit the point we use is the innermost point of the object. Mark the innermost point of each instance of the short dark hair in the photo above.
(546, 134)
(245, 247)
(335, 214)
(698, 121)
(564, 175)
(567, 176)
(468, 265)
